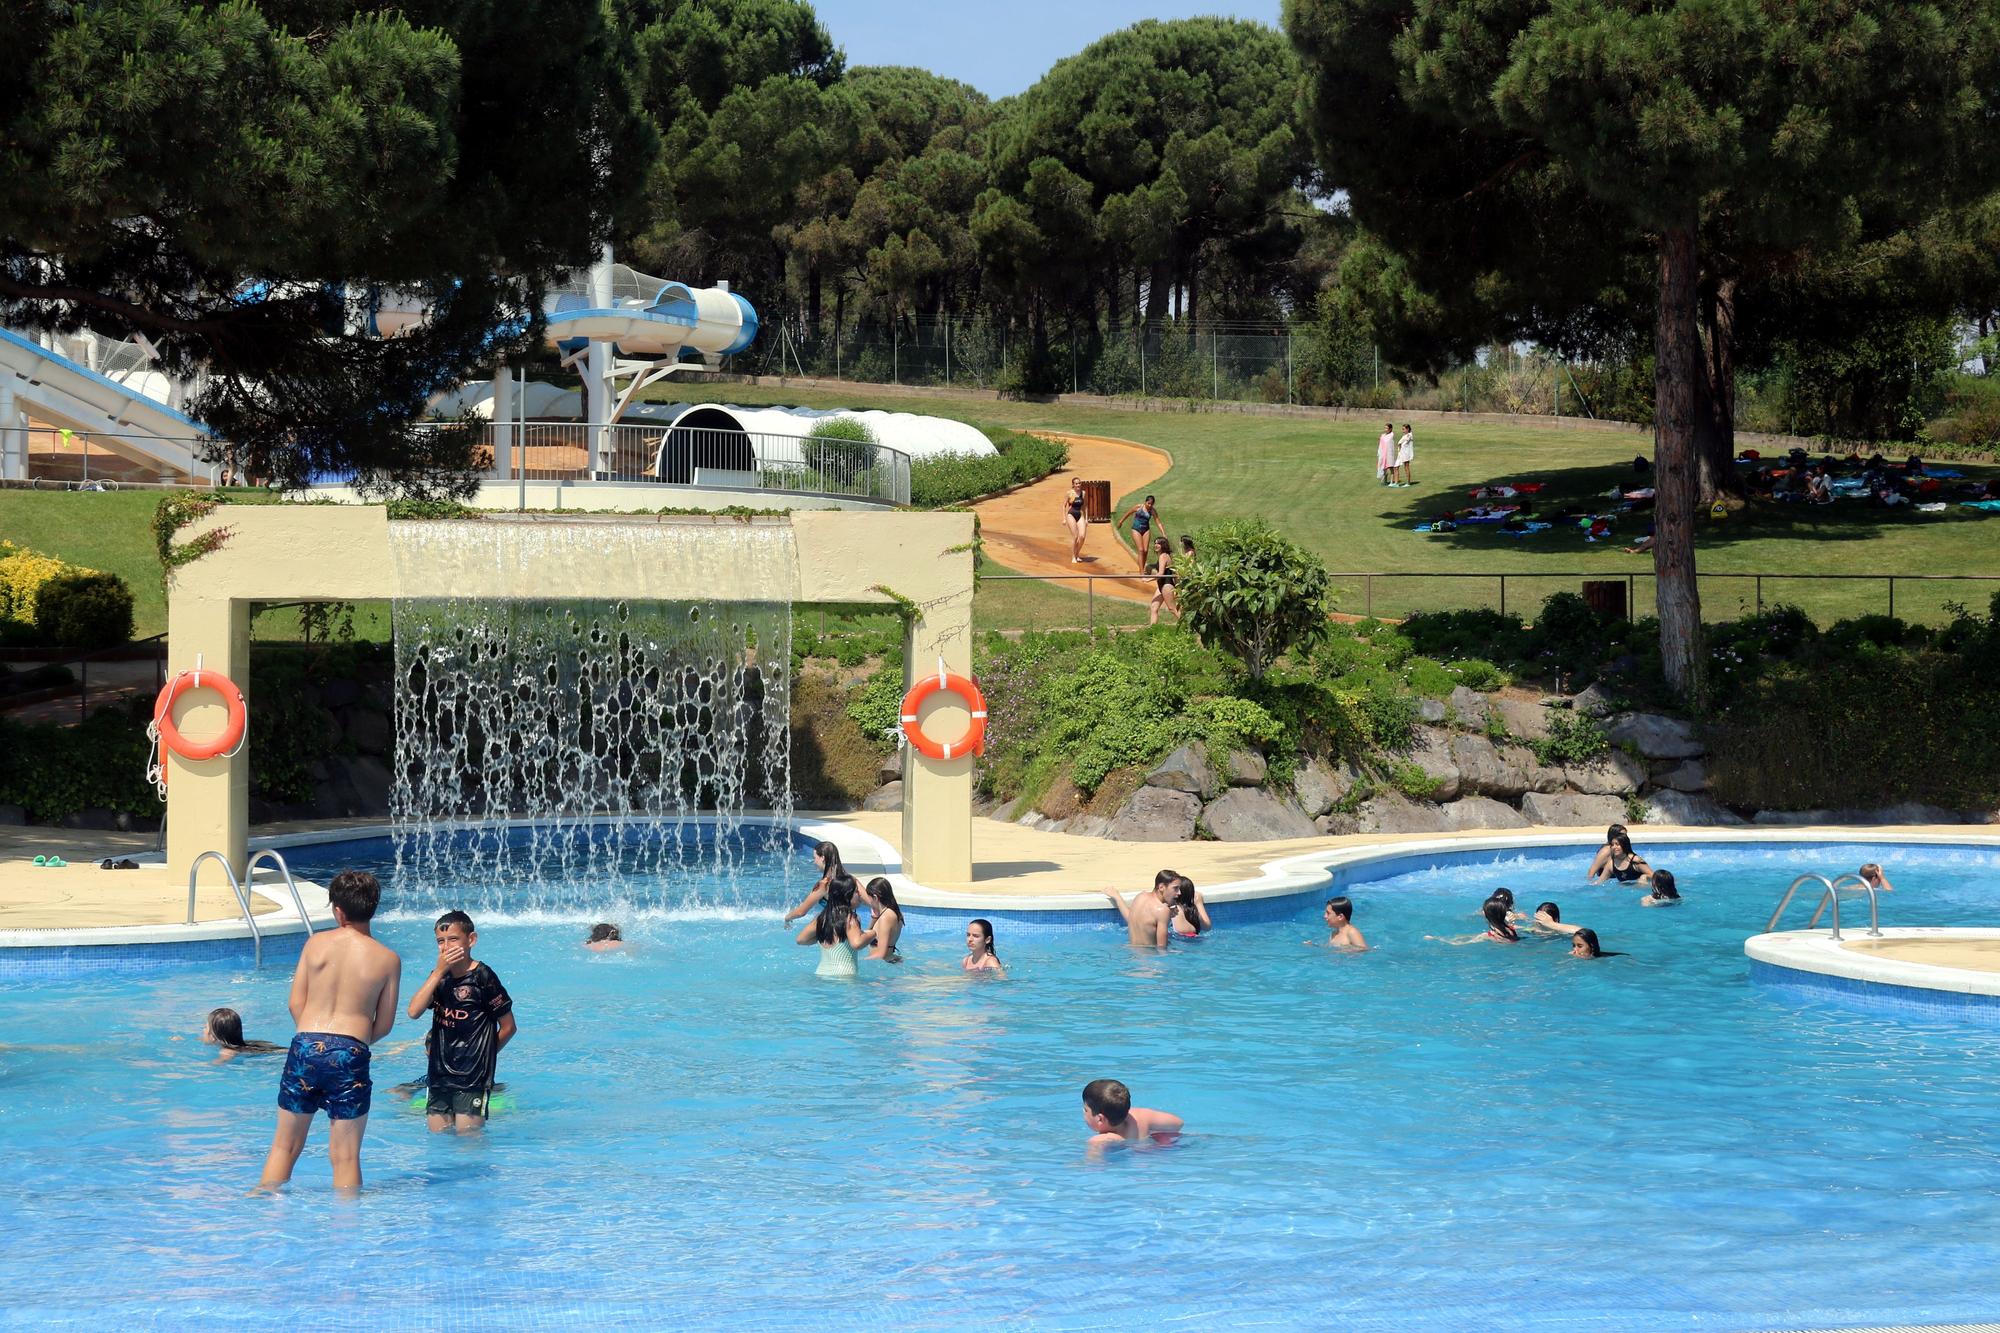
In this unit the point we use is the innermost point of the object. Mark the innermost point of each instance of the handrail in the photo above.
(242, 900)
(1833, 893)
(1785, 902)
(272, 855)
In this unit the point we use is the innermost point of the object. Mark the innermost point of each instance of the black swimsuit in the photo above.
(1627, 873)
(1076, 506)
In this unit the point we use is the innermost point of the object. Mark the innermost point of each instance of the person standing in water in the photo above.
(826, 860)
(472, 1019)
(887, 927)
(835, 930)
(343, 1001)
(979, 955)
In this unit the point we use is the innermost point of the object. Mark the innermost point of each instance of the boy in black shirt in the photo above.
(472, 1017)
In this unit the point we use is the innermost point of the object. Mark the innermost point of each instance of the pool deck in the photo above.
(1017, 866)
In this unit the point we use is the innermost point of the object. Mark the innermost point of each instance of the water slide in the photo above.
(124, 408)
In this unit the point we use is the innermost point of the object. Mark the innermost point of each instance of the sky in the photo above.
(998, 46)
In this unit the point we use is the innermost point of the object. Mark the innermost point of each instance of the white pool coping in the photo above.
(1817, 952)
(267, 885)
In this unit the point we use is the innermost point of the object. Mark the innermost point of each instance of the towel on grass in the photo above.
(1991, 506)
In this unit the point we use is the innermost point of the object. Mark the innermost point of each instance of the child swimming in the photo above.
(887, 927)
(224, 1028)
(1603, 857)
(979, 955)
(1498, 929)
(1341, 934)
(604, 937)
(1584, 944)
(1114, 1121)
(1665, 892)
(826, 860)
(1548, 920)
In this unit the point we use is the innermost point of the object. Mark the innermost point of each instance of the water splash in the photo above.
(633, 734)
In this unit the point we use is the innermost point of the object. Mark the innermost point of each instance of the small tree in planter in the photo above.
(1253, 593)
(841, 450)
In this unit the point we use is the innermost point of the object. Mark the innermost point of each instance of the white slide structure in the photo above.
(124, 409)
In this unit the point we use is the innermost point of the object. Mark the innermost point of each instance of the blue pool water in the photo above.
(1422, 1137)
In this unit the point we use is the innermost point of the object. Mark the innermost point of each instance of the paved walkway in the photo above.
(1023, 529)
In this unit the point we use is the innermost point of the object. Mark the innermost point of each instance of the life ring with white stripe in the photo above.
(168, 736)
(974, 739)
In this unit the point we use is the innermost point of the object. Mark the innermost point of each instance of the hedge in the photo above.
(950, 479)
(45, 601)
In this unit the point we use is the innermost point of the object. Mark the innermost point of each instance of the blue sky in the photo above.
(998, 47)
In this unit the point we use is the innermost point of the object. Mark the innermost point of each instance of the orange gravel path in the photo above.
(1023, 529)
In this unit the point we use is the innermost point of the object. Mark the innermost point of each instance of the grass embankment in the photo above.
(1315, 481)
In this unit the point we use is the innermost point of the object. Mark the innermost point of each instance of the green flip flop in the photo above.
(41, 860)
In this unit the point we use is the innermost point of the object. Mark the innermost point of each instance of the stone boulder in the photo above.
(1185, 770)
(1431, 711)
(1006, 811)
(1430, 750)
(1393, 812)
(1490, 770)
(1245, 768)
(1684, 775)
(1469, 707)
(891, 767)
(1907, 812)
(1318, 786)
(1251, 814)
(1655, 735)
(1155, 814)
(1565, 810)
(1525, 719)
(1692, 809)
(1594, 702)
(1613, 774)
(1088, 826)
(1480, 812)
(888, 796)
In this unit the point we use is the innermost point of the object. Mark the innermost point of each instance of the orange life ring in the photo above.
(974, 739)
(170, 736)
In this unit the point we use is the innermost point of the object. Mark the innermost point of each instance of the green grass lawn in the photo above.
(1315, 480)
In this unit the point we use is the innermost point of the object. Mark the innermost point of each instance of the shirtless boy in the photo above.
(1146, 917)
(1339, 917)
(343, 999)
(1108, 1111)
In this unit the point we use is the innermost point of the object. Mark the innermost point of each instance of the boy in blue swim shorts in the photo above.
(343, 999)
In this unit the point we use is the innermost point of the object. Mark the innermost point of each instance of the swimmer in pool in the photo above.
(1584, 944)
(979, 955)
(225, 1029)
(1341, 934)
(1147, 917)
(1506, 898)
(1665, 892)
(1115, 1122)
(1871, 875)
(887, 926)
(1187, 917)
(826, 860)
(604, 937)
(1625, 865)
(1548, 921)
(1603, 857)
(1498, 929)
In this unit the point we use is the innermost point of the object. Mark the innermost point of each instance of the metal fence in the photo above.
(708, 457)
(95, 459)
(1077, 601)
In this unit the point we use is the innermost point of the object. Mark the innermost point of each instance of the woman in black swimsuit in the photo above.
(1627, 866)
(1164, 580)
(1073, 520)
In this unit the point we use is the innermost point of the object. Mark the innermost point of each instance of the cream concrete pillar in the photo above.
(211, 798)
(937, 793)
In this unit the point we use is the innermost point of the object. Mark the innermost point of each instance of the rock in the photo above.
(1594, 702)
(1430, 750)
(1155, 814)
(1005, 811)
(96, 817)
(1469, 707)
(1318, 787)
(1489, 770)
(1480, 812)
(13, 814)
(1907, 812)
(1088, 826)
(982, 805)
(1245, 768)
(1682, 775)
(339, 692)
(1431, 711)
(891, 767)
(1655, 735)
(1525, 719)
(368, 731)
(1185, 770)
(1698, 811)
(888, 796)
(1251, 814)
(1614, 774)
(1571, 811)
(1393, 812)
(1337, 824)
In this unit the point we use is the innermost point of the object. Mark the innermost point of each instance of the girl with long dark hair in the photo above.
(826, 860)
(979, 955)
(225, 1029)
(887, 927)
(835, 930)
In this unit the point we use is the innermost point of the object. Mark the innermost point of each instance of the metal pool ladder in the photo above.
(240, 887)
(1830, 896)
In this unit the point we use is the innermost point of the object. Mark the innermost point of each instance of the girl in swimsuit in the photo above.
(826, 860)
(1073, 520)
(1498, 929)
(1548, 921)
(225, 1029)
(1625, 865)
(1164, 581)
(887, 927)
(1188, 920)
(835, 930)
(1603, 857)
(1142, 517)
(979, 955)
(1665, 892)
(1584, 944)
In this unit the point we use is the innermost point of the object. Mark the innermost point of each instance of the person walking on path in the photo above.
(1385, 454)
(1164, 581)
(1074, 520)
(1144, 517)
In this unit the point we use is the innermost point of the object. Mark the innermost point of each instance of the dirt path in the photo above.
(1023, 529)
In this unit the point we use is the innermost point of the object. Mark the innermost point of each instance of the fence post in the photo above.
(1892, 597)
(1368, 596)
(1214, 367)
(1503, 594)
(1760, 594)
(947, 349)
(1288, 368)
(896, 355)
(1090, 604)
(1142, 359)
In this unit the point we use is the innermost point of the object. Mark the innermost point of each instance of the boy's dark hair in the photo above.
(1341, 907)
(456, 918)
(602, 931)
(356, 893)
(1109, 1098)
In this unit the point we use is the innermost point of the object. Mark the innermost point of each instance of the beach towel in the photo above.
(1943, 473)
(1991, 506)
(1935, 508)
(1524, 529)
(1488, 514)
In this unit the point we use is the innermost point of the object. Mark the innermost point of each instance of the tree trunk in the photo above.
(1715, 415)
(1676, 374)
(812, 299)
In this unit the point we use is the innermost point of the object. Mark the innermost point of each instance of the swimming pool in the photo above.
(705, 1132)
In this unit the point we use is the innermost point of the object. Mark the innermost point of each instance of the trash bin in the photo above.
(1606, 597)
(1097, 501)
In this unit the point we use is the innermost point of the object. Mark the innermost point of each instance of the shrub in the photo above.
(877, 707)
(842, 448)
(1477, 673)
(1227, 723)
(950, 479)
(1428, 677)
(100, 763)
(22, 575)
(84, 609)
(1254, 593)
(1451, 635)
(1574, 738)
(1413, 782)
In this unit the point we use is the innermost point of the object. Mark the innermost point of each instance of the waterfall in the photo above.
(606, 723)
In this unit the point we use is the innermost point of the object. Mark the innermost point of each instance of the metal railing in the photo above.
(276, 858)
(1831, 896)
(708, 457)
(50, 456)
(242, 900)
